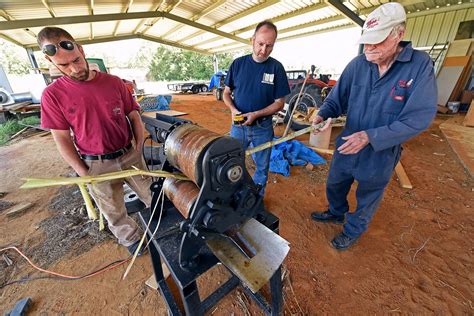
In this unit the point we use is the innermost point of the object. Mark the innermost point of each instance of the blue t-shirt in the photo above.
(256, 85)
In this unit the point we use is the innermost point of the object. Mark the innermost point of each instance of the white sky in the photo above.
(330, 51)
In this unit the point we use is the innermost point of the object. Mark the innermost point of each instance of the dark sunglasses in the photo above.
(52, 49)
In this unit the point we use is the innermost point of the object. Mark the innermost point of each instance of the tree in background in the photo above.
(13, 58)
(169, 64)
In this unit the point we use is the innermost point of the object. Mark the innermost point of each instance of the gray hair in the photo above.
(397, 29)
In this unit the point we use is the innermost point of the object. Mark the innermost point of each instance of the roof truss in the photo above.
(210, 19)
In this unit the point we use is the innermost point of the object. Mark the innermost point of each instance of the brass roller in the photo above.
(181, 193)
(184, 149)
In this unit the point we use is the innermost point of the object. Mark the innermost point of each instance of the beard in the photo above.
(82, 75)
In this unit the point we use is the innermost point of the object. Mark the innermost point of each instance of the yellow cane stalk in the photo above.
(87, 199)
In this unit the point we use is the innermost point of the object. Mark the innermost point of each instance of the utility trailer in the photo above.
(194, 87)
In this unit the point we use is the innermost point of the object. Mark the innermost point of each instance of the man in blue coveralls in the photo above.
(389, 94)
(259, 84)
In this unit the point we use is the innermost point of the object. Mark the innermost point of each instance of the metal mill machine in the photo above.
(217, 216)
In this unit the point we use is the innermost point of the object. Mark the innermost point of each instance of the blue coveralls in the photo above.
(391, 109)
(256, 86)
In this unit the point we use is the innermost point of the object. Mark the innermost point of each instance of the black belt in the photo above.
(109, 156)
(262, 119)
(259, 120)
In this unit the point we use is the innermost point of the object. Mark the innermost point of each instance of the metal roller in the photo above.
(185, 148)
(182, 194)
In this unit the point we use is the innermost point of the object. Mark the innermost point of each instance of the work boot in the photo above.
(327, 217)
(342, 241)
(133, 247)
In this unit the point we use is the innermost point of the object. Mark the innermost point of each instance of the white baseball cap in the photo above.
(381, 21)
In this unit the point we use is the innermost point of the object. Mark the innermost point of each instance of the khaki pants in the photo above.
(109, 195)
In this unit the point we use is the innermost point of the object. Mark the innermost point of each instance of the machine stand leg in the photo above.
(173, 308)
(191, 300)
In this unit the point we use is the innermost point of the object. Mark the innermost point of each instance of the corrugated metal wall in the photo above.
(428, 29)
(436, 28)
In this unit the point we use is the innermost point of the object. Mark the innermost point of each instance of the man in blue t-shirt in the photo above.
(389, 94)
(259, 84)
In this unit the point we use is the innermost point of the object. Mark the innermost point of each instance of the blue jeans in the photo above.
(252, 136)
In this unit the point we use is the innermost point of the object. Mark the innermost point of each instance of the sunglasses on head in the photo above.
(52, 49)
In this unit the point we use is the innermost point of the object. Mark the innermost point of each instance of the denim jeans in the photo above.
(252, 136)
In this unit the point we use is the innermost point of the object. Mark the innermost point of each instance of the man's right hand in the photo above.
(234, 113)
(318, 119)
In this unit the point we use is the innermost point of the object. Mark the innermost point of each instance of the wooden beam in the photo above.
(155, 8)
(469, 118)
(219, 49)
(8, 17)
(204, 28)
(399, 170)
(48, 7)
(240, 15)
(27, 23)
(125, 10)
(282, 17)
(96, 40)
(169, 8)
(8, 38)
(353, 17)
(294, 28)
(402, 176)
(196, 17)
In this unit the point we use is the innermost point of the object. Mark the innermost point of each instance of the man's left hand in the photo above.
(251, 116)
(354, 143)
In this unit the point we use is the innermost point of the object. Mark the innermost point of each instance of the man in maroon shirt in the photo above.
(103, 117)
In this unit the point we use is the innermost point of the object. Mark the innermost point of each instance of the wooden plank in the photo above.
(456, 61)
(469, 119)
(459, 48)
(400, 171)
(402, 176)
(18, 133)
(16, 106)
(461, 140)
(164, 112)
(322, 150)
(446, 81)
(19, 209)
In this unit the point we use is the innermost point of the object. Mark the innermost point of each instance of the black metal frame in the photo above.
(165, 246)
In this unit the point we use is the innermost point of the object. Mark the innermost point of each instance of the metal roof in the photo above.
(206, 26)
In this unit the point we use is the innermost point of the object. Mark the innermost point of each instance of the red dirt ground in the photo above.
(416, 258)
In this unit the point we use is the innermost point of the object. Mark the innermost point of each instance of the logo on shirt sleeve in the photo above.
(268, 78)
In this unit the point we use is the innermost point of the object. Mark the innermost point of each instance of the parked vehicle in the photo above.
(316, 89)
(217, 82)
(194, 87)
(295, 76)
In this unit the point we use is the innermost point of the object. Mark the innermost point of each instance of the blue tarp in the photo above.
(216, 79)
(293, 153)
(155, 103)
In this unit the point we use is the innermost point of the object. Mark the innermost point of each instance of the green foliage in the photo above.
(11, 127)
(169, 64)
(8, 129)
(30, 120)
(13, 58)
